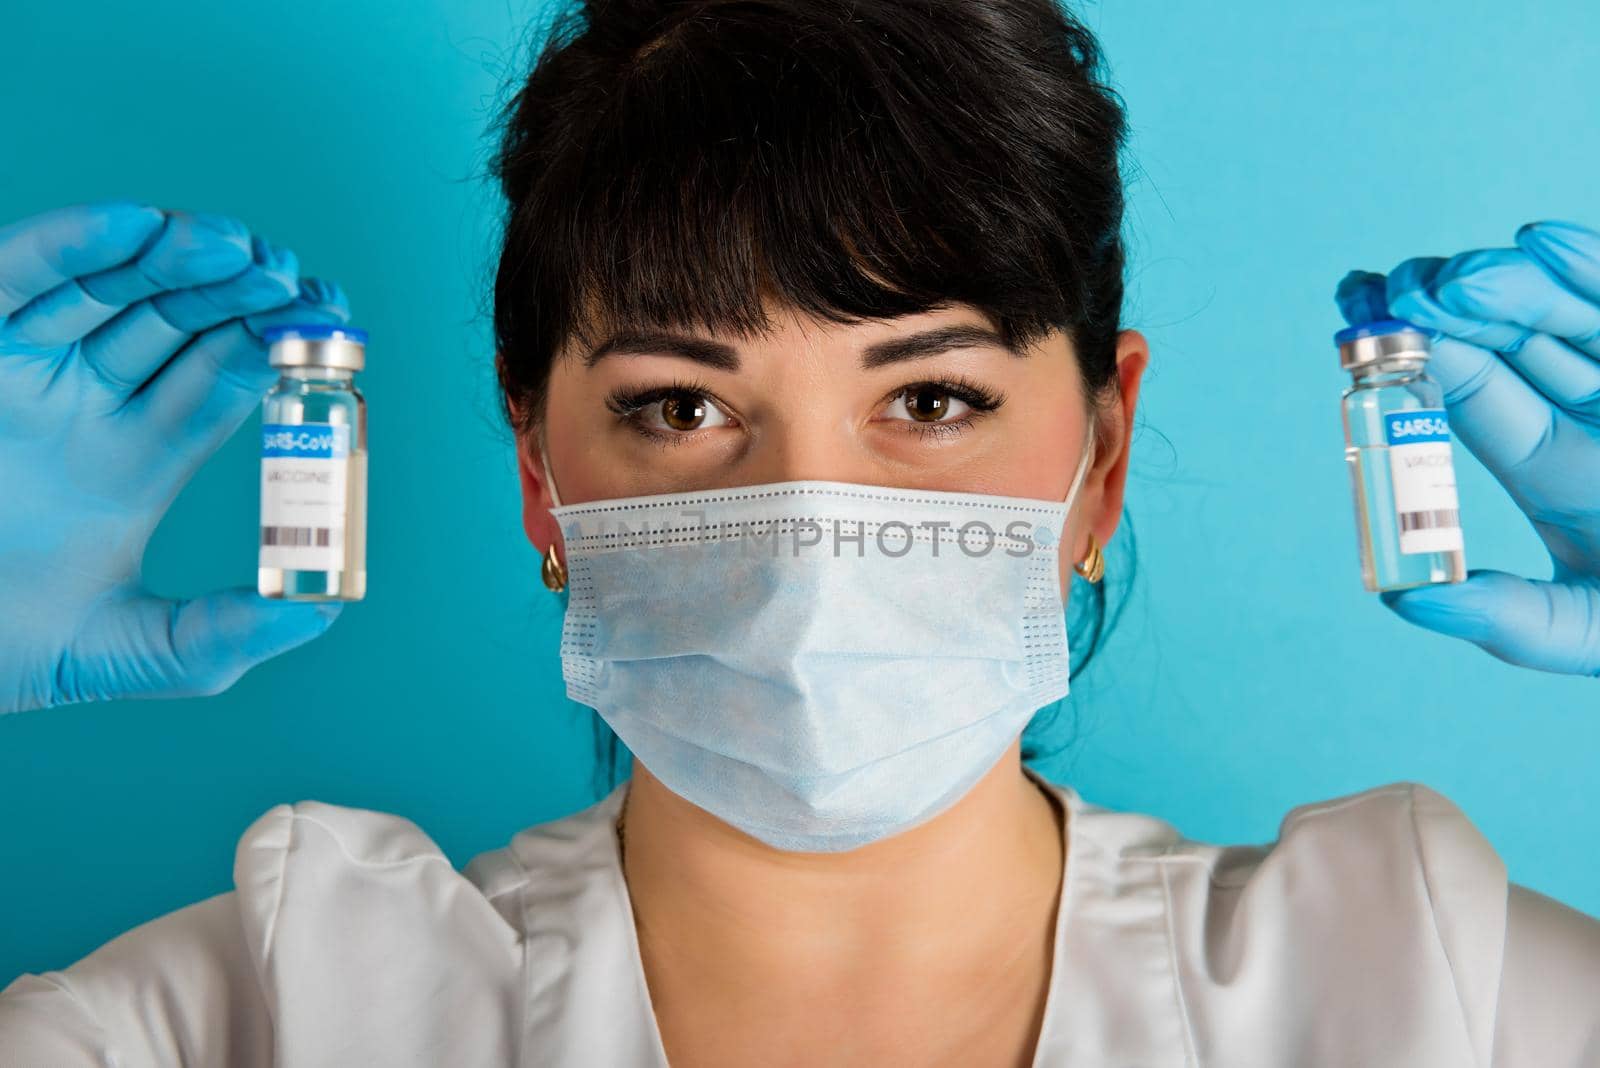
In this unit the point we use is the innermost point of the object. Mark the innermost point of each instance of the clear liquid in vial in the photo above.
(311, 395)
(1384, 566)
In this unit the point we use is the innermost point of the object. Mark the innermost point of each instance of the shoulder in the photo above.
(1384, 897)
(1397, 844)
(311, 875)
(325, 850)
(1401, 842)
(1350, 839)
(1363, 904)
(179, 986)
(365, 936)
(317, 881)
(301, 866)
(206, 982)
(343, 924)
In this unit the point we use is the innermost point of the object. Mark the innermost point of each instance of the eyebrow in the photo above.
(724, 357)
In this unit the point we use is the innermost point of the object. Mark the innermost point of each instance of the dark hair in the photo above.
(673, 162)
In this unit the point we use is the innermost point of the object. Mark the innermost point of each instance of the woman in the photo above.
(771, 266)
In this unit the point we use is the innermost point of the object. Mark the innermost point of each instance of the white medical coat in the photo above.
(1377, 929)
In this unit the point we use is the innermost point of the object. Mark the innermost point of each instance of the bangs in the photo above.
(831, 160)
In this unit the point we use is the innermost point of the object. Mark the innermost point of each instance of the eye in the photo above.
(682, 412)
(928, 403)
(668, 411)
(942, 403)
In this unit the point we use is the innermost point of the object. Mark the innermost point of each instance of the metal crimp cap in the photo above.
(1386, 339)
(316, 345)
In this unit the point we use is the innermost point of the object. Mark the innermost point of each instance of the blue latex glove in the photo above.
(1519, 361)
(129, 351)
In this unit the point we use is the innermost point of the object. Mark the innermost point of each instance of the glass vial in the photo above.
(314, 466)
(1397, 445)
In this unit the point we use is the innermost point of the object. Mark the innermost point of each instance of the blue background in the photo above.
(1275, 146)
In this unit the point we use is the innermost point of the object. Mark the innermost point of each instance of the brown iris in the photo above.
(683, 411)
(927, 405)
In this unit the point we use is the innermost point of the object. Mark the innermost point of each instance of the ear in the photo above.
(537, 522)
(1110, 468)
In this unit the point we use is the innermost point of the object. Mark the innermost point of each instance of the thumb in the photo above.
(1547, 626)
(220, 636)
(150, 647)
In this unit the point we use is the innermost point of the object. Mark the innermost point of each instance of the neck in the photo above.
(962, 894)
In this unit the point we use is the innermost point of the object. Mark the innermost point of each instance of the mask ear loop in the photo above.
(1093, 566)
(1083, 467)
(549, 479)
(553, 571)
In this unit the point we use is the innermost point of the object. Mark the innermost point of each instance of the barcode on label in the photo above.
(318, 536)
(1441, 519)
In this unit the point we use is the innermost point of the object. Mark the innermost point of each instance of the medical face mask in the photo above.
(819, 664)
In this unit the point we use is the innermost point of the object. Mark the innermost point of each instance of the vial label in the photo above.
(304, 492)
(1424, 480)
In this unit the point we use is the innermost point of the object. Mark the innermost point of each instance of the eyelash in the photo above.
(980, 399)
(628, 403)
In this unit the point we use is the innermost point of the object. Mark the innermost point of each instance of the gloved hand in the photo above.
(1520, 365)
(129, 351)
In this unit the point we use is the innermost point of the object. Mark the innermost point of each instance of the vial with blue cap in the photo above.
(314, 466)
(1397, 445)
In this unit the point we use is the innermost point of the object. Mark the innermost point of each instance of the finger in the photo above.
(40, 253)
(1509, 288)
(1547, 626)
(143, 646)
(193, 249)
(133, 346)
(210, 388)
(1411, 290)
(1525, 315)
(323, 300)
(1570, 251)
(218, 637)
(1563, 374)
(1362, 298)
(1529, 445)
(60, 317)
(70, 312)
(1496, 414)
(1494, 411)
(235, 353)
(271, 282)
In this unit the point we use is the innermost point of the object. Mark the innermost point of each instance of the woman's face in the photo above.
(928, 401)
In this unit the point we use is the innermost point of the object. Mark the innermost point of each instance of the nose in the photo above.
(818, 451)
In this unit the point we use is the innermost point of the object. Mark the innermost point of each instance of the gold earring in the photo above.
(1094, 562)
(554, 571)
